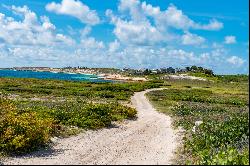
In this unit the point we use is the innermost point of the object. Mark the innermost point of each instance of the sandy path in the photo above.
(147, 140)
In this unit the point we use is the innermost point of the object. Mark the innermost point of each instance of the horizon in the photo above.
(126, 33)
(138, 69)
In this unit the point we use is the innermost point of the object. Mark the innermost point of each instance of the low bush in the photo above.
(25, 126)
(22, 131)
(91, 116)
(36, 88)
(223, 134)
(200, 95)
(220, 142)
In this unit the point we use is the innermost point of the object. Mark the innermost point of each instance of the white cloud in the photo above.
(114, 46)
(213, 25)
(47, 24)
(150, 10)
(138, 30)
(144, 39)
(30, 30)
(135, 32)
(76, 9)
(192, 39)
(133, 6)
(148, 25)
(230, 39)
(30, 17)
(64, 39)
(34, 56)
(85, 31)
(174, 17)
(217, 45)
(91, 43)
(87, 42)
(33, 41)
(234, 60)
(218, 52)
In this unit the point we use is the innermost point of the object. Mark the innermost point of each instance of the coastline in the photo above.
(90, 72)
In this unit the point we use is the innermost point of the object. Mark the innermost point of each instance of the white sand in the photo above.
(184, 76)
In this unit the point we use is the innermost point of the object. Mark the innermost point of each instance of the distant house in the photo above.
(125, 69)
(139, 72)
(163, 70)
(181, 70)
(170, 70)
(154, 71)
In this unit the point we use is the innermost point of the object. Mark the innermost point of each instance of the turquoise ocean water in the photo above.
(50, 75)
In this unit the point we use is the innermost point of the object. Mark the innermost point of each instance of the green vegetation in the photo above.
(221, 78)
(214, 113)
(169, 70)
(22, 130)
(202, 70)
(27, 125)
(220, 110)
(31, 88)
(32, 111)
(233, 78)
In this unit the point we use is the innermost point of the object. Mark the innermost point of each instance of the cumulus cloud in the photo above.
(135, 32)
(138, 30)
(234, 60)
(213, 25)
(30, 30)
(114, 46)
(143, 39)
(85, 31)
(175, 17)
(30, 17)
(24, 55)
(133, 6)
(32, 39)
(192, 39)
(145, 24)
(47, 24)
(76, 9)
(87, 42)
(230, 39)
(92, 43)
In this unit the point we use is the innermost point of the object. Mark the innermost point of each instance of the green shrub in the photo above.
(123, 112)
(233, 78)
(222, 138)
(25, 126)
(56, 88)
(230, 156)
(22, 131)
(88, 115)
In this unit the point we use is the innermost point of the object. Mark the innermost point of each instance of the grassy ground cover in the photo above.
(215, 116)
(32, 110)
(31, 88)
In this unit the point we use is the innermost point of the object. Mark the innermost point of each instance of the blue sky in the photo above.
(126, 33)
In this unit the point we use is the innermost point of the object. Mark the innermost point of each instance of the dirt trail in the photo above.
(147, 140)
